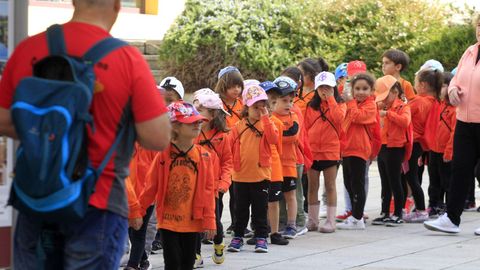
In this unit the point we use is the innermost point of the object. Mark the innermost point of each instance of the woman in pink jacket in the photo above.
(464, 92)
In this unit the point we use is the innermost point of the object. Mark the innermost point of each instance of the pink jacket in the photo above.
(468, 80)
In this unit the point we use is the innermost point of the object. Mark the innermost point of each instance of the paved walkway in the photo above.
(409, 246)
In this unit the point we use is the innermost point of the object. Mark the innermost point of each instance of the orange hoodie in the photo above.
(359, 117)
(134, 207)
(203, 202)
(302, 103)
(324, 131)
(252, 155)
(141, 161)
(277, 150)
(395, 124)
(445, 131)
(420, 107)
(291, 133)
(219, 144)
(235, 112)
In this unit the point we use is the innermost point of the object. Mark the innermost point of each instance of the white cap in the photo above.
(325, 78)
(172, 83)
(431, 64)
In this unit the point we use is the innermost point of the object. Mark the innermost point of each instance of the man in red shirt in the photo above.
(125, 94)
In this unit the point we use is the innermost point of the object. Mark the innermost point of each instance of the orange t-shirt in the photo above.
(291, 131)
(250, 169)
(302, 103)
(420, 108)
(178, 203)
(235, 112)
(277, 150)
(407, 89)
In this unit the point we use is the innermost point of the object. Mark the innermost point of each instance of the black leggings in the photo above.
(466, 152)
(354, 180)
(439, 173)
(390, 166)
(218, 239)
(178, 250)
(411, 177)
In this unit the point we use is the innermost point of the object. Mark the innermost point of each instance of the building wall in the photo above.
(129, 25)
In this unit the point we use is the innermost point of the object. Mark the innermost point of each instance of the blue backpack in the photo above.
(53, 175)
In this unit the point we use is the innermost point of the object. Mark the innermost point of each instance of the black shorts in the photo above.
(320, 165)
(289, 184)
(275, 192)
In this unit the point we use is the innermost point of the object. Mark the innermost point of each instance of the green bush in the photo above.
(262, 37)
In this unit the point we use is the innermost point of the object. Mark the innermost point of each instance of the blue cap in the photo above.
(268, 85)
(454, 71)
(226, 70)
(341, 71)
(285, 85)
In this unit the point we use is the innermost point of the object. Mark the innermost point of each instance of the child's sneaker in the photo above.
(156, 246)
(218, 254)
(393, 221)
(252, 241)
(248, 233)
(290, 233)
(236, 244)
(198, 262)
(352, 223)
(380, 220)
(416, 217)
(229, 229)
(442, 224)
(261, 246)
(277, 239)
(301, 231)
(145, 265)
(470, 207)
(433, 212)
(344, 216)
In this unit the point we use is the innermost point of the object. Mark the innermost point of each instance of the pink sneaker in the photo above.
(344, 216)
(416, 217)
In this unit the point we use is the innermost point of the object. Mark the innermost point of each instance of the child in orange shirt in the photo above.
(214, 137)
(323, 121)
(361, 114)
(251, 139)
(181, 180)
(394, 62)
(439, 161)
(428, 84)
(310, 68)
(395, 123)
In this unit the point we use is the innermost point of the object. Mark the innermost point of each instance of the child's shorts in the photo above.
(275, 192)
(289, 184)
(320, 165)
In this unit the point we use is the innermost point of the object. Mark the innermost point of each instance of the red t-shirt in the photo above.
(125, 93)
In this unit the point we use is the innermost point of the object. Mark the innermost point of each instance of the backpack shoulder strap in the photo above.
(56, 40)
(109, 154)
(102, 48)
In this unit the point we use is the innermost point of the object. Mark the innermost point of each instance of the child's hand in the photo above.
(263, 111)
(347, 97)
(328, 92)
(209, 234)
(446, 160)
(382, 113)
(221, 190)
(454, 96)
(135, 223)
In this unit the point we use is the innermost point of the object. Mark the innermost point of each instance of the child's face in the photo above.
(322, 91)
(170, 96)
(255, 111)
(361, 90)
(283, 105)
(390, 98)
(233, 92)
(207, 113)
(189, 131)
(389, 67)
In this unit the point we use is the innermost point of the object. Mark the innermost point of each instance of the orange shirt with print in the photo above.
(407, 89)
(324, 129)
(395, 124)
(277, 150)
(359, 116)
(445, 131)
(302, 103)
(235, 112)
(420, 107)
(291, 133)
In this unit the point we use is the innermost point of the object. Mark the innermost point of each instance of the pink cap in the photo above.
(252, 94)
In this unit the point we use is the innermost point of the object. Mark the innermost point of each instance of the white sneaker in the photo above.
(352, 223)
(442, 224)
(323, 211)
(198, 262)
(477, 231)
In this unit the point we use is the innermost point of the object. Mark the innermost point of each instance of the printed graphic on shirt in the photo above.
(178, 191)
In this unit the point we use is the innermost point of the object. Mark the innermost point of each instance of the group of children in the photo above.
(266, 143)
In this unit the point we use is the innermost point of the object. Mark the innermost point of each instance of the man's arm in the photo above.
(154, 134)
(6, 125)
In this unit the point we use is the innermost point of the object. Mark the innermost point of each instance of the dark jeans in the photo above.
(256, 196)
(439, 173)
(97, 242)
(218, 239)
(137, 239)
(466, 151)
(390, 166)
(354, 180)
(178, 250)
(411, 177)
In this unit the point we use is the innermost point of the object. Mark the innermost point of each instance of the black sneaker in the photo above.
(229, 229)
(277, 239)
(380, 220)
(145, 265)
(393, 221)
(248, 233)
(156, 246)
(252, 241)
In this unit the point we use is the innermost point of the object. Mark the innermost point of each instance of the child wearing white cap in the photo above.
(172, 90)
